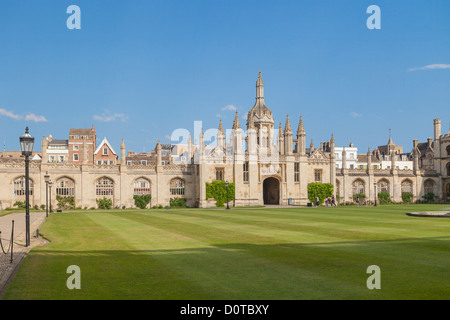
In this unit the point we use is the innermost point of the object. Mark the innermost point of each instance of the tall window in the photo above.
(105, 187)
(75, 157)
(448, 169)
(296, 172)
(407, 186)
(177, 187)
(358, 187)
(318, 175)
(105, 151)
(65, 187)
(429, 186)
(220, 173)
(383, 186)
(19, 187)
(246, 171)
(141, 186)
(448, 150)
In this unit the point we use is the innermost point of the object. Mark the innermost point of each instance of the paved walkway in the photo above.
(8, 269)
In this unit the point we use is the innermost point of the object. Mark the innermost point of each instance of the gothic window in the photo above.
(383, 186)
(358, 187)
(429, 186)
(105, 187)
(448, 169)
(318, 175)
(19, 187)
(296, 172)
(448, 150)
(406, 186)
(177, 187)
(65, 187)
(245, 171)
(141, 186)
(220, 174)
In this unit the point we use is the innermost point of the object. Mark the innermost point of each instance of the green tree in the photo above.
(321, 190)
(218, 190)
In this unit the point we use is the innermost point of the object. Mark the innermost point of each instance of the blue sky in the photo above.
(140, 69)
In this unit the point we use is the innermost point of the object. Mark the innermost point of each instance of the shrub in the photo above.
(20, 204)
(104, 203)
(42, 207)
(361, 197)
(65, 202)
(141, 201)
(407, 197)
(177, 203)
(218, 190)
(429, 197)
(384, 198)
(321, 190)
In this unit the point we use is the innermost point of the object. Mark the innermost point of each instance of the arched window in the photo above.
(407, 186)
(448, 169)
(65, 187)
(448, 190)
(104, 187)
(19, 187)
(429, 186)
(448, 150)
(358, 187)
(383, 186)
(141, 186)
(177, 187)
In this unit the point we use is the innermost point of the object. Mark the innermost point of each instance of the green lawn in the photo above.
(247, 253)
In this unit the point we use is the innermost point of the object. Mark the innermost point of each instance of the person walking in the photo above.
(317, 201)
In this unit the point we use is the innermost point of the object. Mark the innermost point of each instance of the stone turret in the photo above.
(301, 138)
(287, 137)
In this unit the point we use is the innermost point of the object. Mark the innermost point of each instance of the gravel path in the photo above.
(8, 269)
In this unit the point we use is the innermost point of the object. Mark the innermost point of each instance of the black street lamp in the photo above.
(226, 185)
(47, 180)
(375, 188)
(26, 146)
(50, 194)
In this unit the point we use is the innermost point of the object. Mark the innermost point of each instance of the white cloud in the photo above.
(218, 115)
(355, 115)
(230, 107)
(28, 117)
(107, 117)
(35, 118)
(10, 114)
(431, 67)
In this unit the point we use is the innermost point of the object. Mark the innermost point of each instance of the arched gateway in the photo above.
(271, 191)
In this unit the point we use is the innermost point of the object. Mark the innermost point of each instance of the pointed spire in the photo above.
(390, 138)
(301, 129)
(311, 146)
(332, 139)
(220, 126)
(259, 87)
(280, 130)
(236, 124)
(287, 128)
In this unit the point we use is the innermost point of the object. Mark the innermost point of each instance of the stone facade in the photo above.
(267, 168)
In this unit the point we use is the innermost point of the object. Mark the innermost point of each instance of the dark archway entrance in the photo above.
(271, 191)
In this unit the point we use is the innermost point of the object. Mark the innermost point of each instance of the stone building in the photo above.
(268, 166)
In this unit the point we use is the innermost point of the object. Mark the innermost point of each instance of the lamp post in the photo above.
(375, 189)
(47, 180)
(226, 185)
(26, 146)
(50, 194)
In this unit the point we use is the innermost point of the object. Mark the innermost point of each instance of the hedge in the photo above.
(322, 190)
(218, 190)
